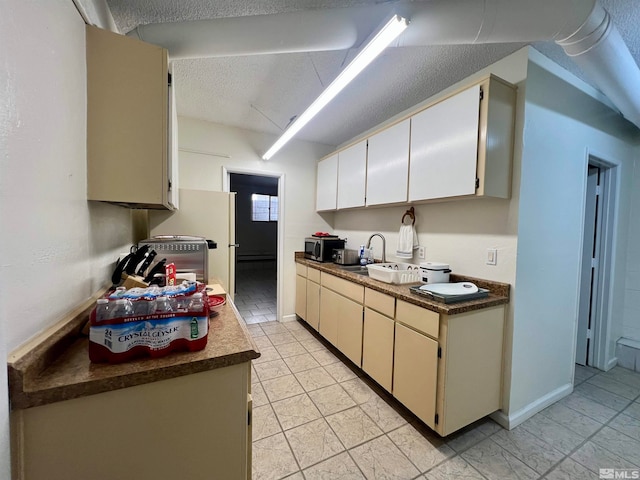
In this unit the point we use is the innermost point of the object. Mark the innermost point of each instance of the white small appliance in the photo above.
(434, 272)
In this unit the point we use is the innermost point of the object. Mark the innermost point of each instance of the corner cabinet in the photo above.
(463, 145)
(131, 123)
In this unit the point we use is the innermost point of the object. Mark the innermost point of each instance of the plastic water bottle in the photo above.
(163, 305)
(103, 310)
(196, 304)
(123, 308)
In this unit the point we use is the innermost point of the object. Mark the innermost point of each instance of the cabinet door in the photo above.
(301, 297)
(388, 165)
(415, 373)
(327, 183)
(444, 148)
(352, 171)
(329, 314)
(313, 304)
(127, 121)
(377, 347)
(350, 329)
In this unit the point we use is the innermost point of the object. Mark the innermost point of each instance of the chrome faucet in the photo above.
(384, 245)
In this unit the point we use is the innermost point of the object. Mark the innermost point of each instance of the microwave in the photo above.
(321, 249)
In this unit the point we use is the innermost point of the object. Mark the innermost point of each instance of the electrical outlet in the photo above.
(492, 256)
(421, 252)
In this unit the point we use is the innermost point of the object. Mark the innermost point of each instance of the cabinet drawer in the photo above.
(313, 275)
(343, 287)
(301, 270)
(419, 318)
(380, 302)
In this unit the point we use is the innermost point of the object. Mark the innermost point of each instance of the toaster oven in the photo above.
(189, 254)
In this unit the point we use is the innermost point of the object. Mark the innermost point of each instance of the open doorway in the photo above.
(595, 282)
(257, 218)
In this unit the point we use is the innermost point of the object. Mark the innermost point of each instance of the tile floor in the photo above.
(256, 294)
(315, 418)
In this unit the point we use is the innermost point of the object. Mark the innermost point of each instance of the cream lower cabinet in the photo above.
(313, 299)
(377, 338)
(183, 427)
(301, 291)
(341, 315)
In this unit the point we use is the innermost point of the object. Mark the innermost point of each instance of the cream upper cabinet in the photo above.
(130, 136)
(388, 165)
(327, 183)
(462, 146)
(352, 172)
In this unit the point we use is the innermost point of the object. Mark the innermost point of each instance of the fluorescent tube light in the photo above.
(387, 34)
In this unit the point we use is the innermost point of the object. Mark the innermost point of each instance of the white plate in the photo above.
(459, 288)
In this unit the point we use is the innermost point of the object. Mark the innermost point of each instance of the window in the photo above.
(264, 208)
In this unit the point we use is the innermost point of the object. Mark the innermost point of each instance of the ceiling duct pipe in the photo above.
(582, 27)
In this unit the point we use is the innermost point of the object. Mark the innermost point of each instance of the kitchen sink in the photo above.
(360, 270)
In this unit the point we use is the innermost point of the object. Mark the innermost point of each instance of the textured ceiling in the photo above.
(263, 92)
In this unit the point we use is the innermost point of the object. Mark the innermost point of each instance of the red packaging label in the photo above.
(170, 271)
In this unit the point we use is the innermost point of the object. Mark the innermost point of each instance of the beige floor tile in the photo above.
(495, 463)
(425, 453)
(612, 385)
(265, 422)
(456, 468)
(273, 369)
(619, 444)
(314, 379)
(272, 328)
(281, 338)
(381, 459)
(295, 326)
(272, 458)
(266, 355)
(331, 399)
(255, 331)
(325, 357)
(584, 373)
(465, 438)
(588, 407)
(359, 390)
(295, 476)
(258, 395)
(488, 426)
(559, 437)
(290, 349)
(312, 345)
(254, 375)
(595, 457)
(569, 469)
(313, 442)
(340, 372)
(633, 410)
(299, 363)
(383, 414)
(295, 411)
(340, 467)
(624, 375)
(282, 387)
(602, 396)
(353, 427)
(263, 342)
(302, 335)
(528, 448)
(573, 420)
(630, 426)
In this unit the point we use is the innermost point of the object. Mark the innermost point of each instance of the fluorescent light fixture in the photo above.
(387, 34)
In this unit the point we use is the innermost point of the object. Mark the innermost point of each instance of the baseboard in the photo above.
(516, 418)
(289, 318)
(610, 364)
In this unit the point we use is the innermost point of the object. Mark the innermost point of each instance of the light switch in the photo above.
(492, 256)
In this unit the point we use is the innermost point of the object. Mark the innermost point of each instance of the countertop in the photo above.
(498, 292)
(55, 366)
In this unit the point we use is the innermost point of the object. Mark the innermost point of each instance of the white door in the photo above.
(204, 214)
(444, 148)
(588, 287)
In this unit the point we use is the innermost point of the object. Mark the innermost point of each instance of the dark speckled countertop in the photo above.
(498, 292)
(55, 366)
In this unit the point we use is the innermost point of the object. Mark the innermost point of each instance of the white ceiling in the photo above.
(263, 92)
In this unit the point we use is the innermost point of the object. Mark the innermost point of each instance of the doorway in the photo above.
(595, 282)
(256, 228)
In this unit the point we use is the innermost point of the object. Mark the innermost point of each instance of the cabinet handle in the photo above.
(236, 245)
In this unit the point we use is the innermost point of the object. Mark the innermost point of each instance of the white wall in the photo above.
(563, 124)
(57, 249)
(297, 161)
(631, 314)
